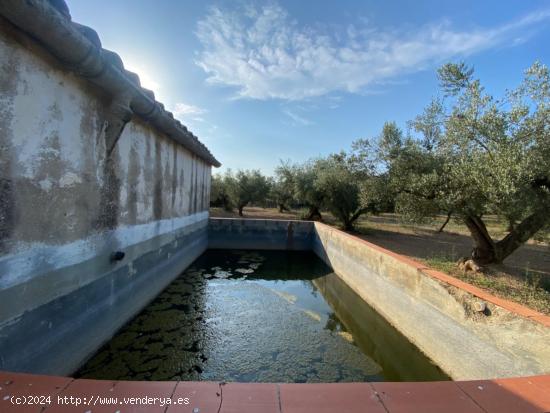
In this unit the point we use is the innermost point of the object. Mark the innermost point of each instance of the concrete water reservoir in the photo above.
(104, 202)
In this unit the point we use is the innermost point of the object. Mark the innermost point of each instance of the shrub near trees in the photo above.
(467, 155)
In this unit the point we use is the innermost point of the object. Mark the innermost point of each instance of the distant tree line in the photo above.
(466, 156)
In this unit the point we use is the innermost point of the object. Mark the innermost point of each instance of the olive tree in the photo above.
(339, 180)
(305, 190)
(282, 187)
(477, 155)
(245, 187)
(219, 194)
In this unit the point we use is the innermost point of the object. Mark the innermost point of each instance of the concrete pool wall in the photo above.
(104, 196)
(433, 310)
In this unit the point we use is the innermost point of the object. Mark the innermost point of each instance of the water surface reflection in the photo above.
(266, 316)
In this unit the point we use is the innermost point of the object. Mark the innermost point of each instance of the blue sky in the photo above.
(262, 81)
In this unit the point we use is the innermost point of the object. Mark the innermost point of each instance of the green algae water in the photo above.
(259, 316)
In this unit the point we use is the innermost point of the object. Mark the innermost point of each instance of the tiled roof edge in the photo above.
(79, 49)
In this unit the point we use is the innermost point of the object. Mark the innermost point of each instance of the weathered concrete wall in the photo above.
(67, 203)
(260, 234)
(438, 318)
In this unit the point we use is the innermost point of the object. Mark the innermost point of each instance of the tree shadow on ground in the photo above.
(426, 244)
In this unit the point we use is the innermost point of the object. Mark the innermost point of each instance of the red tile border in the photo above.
(493, 398)
(202, 395)
(426, 397)
(86, 393)
(512, 395)
(533, 390)
(250, 398)
(448, 279)
(21, 384)
(329, 398)
(152, 396)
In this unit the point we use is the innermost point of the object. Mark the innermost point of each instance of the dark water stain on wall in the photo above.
(48, 222)
(110, 191)
(182, 191)
(167, 211)
(174, 178)
(195, 180)
(203, 188)
(157, 196)
(55, 112)
(191, 181)
(8, 88)
(132, 182)
(148, 175)
(88, 200)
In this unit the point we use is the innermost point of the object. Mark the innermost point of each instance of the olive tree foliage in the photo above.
(219, 195)
(282, 187)
(305, 191)
(237, 190)
(245, 187)
(339, 180)
(332, 183)
(476, 155)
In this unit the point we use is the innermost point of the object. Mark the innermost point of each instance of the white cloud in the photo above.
(264, 53)
(186, 112)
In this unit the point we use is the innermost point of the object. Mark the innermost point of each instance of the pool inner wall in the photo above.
(438, 317)
(58, 334)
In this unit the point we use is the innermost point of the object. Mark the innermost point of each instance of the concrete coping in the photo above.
(513, 307)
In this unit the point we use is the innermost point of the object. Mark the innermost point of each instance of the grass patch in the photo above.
(527, 291)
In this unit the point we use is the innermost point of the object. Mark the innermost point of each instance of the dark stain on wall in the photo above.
(189, 195)
(174, 178)
(7, 190)
(167, 178)
(88, 200)
(8, 89)
(110, 190)
(182, 191)
(148, 174)
(203, 188)
(193, 185)
(52, 205)
(197, 182)
(132, 182)
(157, 195)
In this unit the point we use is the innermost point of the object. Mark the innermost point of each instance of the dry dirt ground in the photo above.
(524, 277)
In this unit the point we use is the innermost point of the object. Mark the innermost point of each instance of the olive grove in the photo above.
(467, 155)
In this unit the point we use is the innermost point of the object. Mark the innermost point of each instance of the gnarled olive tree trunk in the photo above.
(442, 227)
(283, 208)
(313, 213)
(488, 251)
(349, 220)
